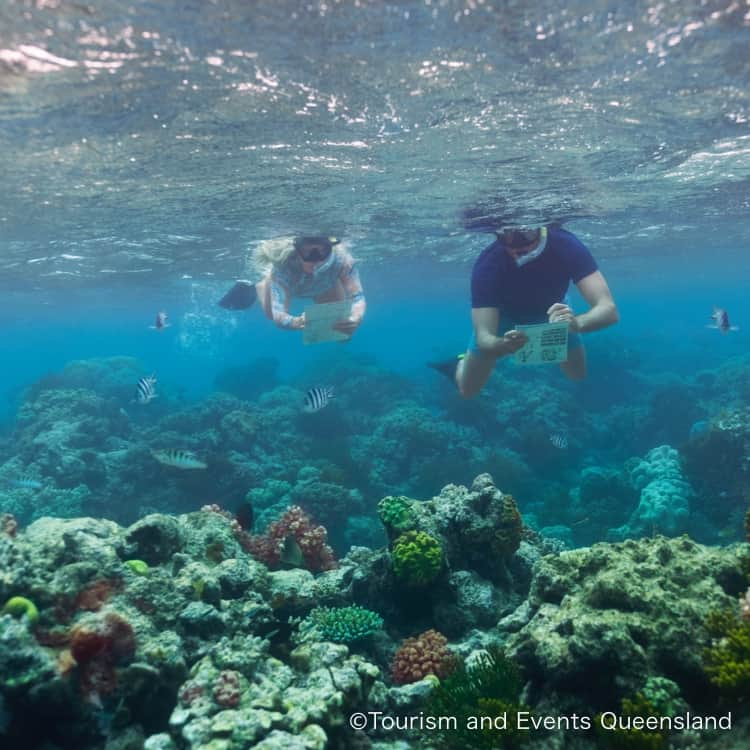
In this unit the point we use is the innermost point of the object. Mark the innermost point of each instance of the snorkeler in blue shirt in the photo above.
(523, 277)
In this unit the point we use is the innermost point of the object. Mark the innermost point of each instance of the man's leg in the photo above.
(575, 367)
(473, 372)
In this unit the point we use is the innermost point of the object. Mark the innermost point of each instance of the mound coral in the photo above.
(665, 495)
(417, 558)
(396, 514)
(425, 654)
(312, 541)
(339, 624)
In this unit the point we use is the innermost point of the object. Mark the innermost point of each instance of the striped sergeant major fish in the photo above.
(559, 440)
(720, 319)
(145, 391)
(317, 398)
(161, 322)
(178, 459)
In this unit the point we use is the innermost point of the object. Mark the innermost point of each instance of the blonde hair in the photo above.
(270, 254)
(274, 252)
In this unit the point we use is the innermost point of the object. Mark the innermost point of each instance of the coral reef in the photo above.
(477, 694)
(600, 619)
(417, 558)
(665, 495)
(424, 654)
(396, 515)
(727, 659)
(339, 624)
(311, 539)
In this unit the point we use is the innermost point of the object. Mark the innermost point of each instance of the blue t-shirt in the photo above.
(526, 293)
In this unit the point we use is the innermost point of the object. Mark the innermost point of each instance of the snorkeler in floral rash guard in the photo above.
(315, 267)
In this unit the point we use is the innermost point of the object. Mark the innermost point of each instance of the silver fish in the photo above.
(26, 483)
(161, 322)
(178, 459)
(145, 390)
(317, 398)
(721, 321)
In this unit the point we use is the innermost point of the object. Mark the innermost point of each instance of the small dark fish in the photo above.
(145, 390)
(317, 398)
(721, 321)
(161, 322)
(559, 440)
(245, 515)
(291, 553)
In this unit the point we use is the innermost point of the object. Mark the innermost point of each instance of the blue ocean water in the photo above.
(147, 148)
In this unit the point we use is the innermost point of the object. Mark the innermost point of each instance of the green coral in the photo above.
(664, 695)
(139, 567)
(476, 695)
(396, 513)
(632, 739)
(20, 606)
(339, 624)
(727, 660)
(417, 558)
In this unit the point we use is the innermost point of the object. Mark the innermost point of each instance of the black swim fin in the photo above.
(447, 367)
(241, 296)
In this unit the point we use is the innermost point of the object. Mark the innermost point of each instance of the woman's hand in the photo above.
(562, 313)
(347, 325)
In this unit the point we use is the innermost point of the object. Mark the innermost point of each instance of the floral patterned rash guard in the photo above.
(290, 280)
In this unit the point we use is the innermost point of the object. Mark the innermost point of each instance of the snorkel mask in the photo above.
(316, 250)
(519, 238)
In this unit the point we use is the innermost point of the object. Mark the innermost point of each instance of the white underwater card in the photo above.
(319, 321)
(547, 344)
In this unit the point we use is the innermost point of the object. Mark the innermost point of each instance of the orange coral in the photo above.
(425, 654)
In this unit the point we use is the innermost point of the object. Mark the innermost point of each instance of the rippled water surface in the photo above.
(156, 140)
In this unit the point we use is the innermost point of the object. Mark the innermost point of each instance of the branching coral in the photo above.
(339, 624)
(425, 654)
